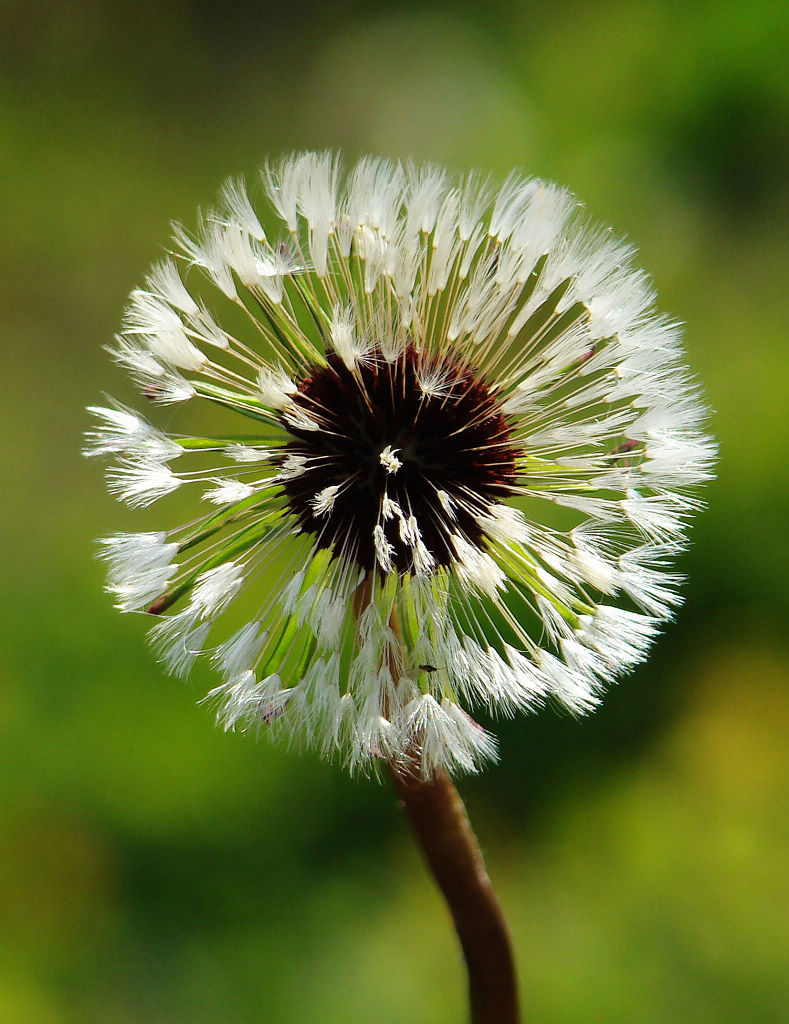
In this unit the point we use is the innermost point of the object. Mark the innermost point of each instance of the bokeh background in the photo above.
(153, 869)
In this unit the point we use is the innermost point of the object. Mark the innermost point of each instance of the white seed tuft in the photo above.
(323, 502)
(140, 483)
(389, 460)
(342, 331)
(228, 492)
(383, 549)
(276, 387)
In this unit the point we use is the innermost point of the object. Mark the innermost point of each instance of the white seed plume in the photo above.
(123, 431)
(383, 549)
(389, 460)
(139, 567)
(343, 336)
(162, 330)
(227, 492)
(323, 501)
(140, 483)
(276, 387)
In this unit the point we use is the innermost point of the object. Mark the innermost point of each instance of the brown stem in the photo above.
(441, 825)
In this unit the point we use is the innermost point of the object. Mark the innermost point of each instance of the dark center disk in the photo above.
(459, 442)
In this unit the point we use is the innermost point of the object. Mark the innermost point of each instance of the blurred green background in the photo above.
(156, 870)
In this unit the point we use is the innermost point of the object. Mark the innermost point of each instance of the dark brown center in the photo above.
(453, 443)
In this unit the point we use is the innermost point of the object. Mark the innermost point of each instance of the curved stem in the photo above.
(440, 823)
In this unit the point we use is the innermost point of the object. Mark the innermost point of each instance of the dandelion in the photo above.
(450, 460)
(456, 457)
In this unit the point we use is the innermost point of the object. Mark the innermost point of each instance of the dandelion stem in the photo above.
(442, 828)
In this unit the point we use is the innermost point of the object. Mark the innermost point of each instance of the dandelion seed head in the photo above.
(462, 452)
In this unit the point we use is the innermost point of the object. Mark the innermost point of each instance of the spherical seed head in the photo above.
(418, 372)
